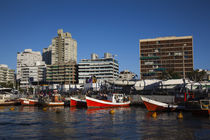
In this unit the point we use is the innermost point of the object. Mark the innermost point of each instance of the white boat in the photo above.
(8, 99)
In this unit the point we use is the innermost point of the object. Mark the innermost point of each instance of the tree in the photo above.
(169, 74)
(197, 75)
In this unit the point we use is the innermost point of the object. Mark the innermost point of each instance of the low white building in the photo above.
(106, 68)
(127, 75)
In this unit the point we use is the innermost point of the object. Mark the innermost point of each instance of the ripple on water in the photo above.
(125, 123)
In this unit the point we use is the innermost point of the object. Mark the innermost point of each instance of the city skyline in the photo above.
(103, 26)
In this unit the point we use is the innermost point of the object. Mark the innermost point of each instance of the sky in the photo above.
(101, 26)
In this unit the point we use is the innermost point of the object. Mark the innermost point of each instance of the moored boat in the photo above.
(199, 107)
(112, 100)
(8, 99)
(54, 100)
(28, 101)
(75, 102)
(153, 105)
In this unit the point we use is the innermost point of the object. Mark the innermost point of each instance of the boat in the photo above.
(8, 99)
(205, 106)
(53, 100)
(112, 100)
(28, 101)
(75, 102)
(153, 105)
(200, 107)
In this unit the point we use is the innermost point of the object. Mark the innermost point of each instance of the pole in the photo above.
(183, 60)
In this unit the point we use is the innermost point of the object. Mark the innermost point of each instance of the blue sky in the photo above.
(101, 26)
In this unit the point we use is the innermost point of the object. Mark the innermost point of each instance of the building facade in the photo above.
(106, 68)
(6, 75)
(30, 68)
(64, 48)
(65, 73)
(62, 66)
(47, 54)
(127, 75)
(165, 54)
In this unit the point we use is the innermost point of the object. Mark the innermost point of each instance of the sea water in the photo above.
(28, 122)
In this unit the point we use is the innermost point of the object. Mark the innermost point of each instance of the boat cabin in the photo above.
(56, 97)
(116, 98)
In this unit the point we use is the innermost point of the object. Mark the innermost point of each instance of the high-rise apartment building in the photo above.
(106, 68)
(62, 68)
(47, 54)
(30, 67)
(165, 54)
(6, 74)
(64, 48)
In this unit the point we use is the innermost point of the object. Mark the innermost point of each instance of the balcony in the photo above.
(160, 69)
(149, 57)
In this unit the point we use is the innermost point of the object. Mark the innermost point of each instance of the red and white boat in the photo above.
(54, 100)
(75, 102)
(113, 100)
(28, 101)
(153, 105)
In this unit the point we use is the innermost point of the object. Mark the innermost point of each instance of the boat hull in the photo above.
(8, 103)
(92, 103)
(153, 105)
(199, 108)
(54, 104)
(74, 102)
(29, 102)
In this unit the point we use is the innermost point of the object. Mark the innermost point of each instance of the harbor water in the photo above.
(28, 122)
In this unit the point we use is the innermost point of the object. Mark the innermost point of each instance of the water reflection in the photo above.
(72, 123)
(27, 109)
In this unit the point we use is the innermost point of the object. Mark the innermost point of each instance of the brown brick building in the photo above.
(165, 54)
(63, 73)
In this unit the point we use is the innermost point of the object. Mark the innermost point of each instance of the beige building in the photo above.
(6, 74)
(64, 48)
(62, 68)
(165, 54)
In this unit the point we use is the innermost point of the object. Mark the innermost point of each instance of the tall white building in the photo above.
(6, 74)
(30, 67)
(64, 48)
(106, 68)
